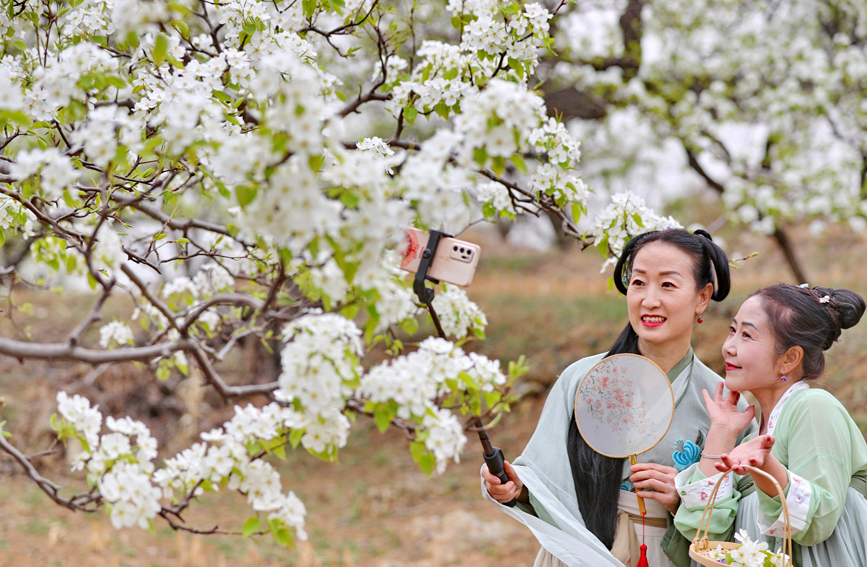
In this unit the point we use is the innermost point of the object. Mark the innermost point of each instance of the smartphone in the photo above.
(455, 260)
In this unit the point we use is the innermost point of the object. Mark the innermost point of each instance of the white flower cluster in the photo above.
(626, 216)
(319, 368)
(496, 196)
(14, 216)
(749, 554)
(85, 419)
(562, 147)
(119, 463)
(115, 333)
(416, 380)
(562, 186)
(782, 135)
(228, 459)
(56, 171)
(457, 313)
(445, 438)
(499, 118)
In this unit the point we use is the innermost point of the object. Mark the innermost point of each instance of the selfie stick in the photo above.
(493, 455)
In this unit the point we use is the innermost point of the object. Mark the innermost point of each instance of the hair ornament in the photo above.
(804, 285)
(825, 299)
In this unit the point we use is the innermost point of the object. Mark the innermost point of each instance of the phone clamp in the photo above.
(426, 294)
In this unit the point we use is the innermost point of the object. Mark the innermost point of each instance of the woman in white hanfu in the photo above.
(807, 440)
(581, 505)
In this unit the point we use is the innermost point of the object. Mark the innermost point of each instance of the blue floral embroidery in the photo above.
(686, 453)
(627, 486)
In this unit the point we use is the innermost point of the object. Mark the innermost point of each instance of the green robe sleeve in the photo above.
(695, 489)
(822, 449)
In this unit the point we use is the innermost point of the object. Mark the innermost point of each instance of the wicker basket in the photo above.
(700, 549)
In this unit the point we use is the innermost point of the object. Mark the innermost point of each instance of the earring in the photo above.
(700, 320)
(783, 378)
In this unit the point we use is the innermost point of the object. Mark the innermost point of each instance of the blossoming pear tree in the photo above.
(764, 101)
(244, 169)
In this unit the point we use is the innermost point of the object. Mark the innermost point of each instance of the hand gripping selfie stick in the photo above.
(493, 455)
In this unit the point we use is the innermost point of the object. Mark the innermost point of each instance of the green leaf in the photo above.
(340, 96)
(491, 398)
(222, 97)
(427, 463)
(295, 437)
(409, 325)
(518, 160)
(442, 109)
(245, 194)
(382, 416)
(251, 526)
(160, 236)
(350, 311)
(410, 114)
(417, 450)
(16, 116)
(115, 82)
(283, 536)
(161, 49)
(499, 165)
(280, 452)
(20, 45)
(481, 156)
(309, 8)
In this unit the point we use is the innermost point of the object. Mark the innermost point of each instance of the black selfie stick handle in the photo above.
(493, 458)
(495, 466)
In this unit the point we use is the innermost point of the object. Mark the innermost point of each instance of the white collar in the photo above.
(775, 414)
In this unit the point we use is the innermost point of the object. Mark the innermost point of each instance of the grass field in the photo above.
(374, 507)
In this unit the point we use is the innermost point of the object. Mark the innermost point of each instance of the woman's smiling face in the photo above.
(750, 350)
(662, 297)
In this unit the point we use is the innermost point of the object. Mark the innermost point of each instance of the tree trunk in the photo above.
(788, 249)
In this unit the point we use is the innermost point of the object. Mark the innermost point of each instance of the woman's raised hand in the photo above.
(506, 492)
(754, 452)
(723, 410)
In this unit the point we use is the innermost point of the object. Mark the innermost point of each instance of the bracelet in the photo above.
(703, 456)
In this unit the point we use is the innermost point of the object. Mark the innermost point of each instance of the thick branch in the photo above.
(693, 163)
(788, 249)
(64, 351)
(353, 106)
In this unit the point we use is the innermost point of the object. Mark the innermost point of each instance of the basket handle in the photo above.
(700, 540)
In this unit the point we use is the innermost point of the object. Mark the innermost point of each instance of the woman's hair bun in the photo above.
(846, 304)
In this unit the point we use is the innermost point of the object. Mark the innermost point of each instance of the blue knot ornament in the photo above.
(686, 453)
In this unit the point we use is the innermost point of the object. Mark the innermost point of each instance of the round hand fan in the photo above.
(624, 407)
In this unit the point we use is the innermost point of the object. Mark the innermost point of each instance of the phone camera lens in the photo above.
(455, 248)
(462, 250)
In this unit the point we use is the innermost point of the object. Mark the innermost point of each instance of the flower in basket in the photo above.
(749, 554)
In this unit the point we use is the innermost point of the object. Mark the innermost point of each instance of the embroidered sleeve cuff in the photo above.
(771, 520)
(694, 490)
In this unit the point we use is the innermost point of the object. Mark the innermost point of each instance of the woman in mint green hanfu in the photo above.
(581, 505)
(807, 440)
